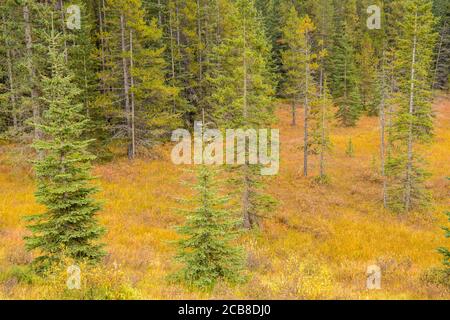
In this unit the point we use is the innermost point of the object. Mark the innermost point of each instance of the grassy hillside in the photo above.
(317, 244)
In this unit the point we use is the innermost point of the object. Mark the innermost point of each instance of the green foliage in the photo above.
(139, 102)
(299, 61)
(321, 116)
(441, 73)
(68, 228)
(444, 251)
(395, 171)
(413, 119)
(437, 276)
(240, 81)
(207, 250)
(241, 89)
(345, 80)
(22, 274)
(368, 74)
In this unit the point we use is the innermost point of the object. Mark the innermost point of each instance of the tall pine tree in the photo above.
(345, 80)
(68, 228)
(207, 251)
(413, 122)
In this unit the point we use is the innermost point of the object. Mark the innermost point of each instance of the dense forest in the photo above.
(87, 84)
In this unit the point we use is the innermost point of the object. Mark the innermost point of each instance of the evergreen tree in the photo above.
(444, 251)
(299, 62)
(81, 59)
(413, 123)
(207, 251)
(68, 228)
(241, 91)
(345, 81)
(291, 59)
(136, 94)
(321, 115)
(441, 76)
(273, 17)
(11, 110)
(21, 59)
(323, 16)
(368, 74)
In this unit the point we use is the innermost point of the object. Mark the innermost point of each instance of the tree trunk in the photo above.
(306, 116)
(133, 129)
(199, 34)
(245, 72)
(248, 221)
(172, 59)
(248, 224)
(382, 130)
(126, 85)
(322, 133)
(101, 9)
(410, 132)
(159, 14)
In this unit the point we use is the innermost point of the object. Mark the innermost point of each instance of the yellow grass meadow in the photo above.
(317, 244)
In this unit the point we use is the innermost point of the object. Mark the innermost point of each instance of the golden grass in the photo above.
(317, 245)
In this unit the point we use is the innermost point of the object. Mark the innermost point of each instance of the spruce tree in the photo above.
(300, 65)
(321, 115)
(135, 93)
(441, 72)
(368, 74)
(207, 251)
(82, 61)
(444, 251)
(413, 120)
(68, 228)
(345, 80)
(291, 59)
(241, 93)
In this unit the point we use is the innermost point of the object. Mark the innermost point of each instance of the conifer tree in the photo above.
(323, 16)
(207, 251)
(368, 75)
(273, 17)
(345, 81)
(137, 96)
(291, 59)
(441, 73)
(82, 60)
(444, 251)
(299, 62)
(11, 109)
(241, 91)
(383, 91)
(21, 59)
(413, 123)
(68, 228)
(321, 115)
